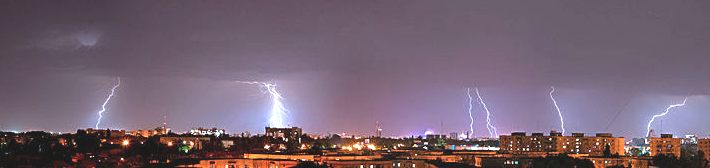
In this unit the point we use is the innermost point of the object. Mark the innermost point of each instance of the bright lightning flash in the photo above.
(278, 110)
(491, 129)
(559, 112)
(648, 128)
(103, 106)
(470, 108)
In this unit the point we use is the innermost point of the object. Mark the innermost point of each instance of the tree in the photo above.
(701, 158)
(698, 160)
(607, 151)
(635, 152)
(562, 161)
(87, 143)
(666, 161)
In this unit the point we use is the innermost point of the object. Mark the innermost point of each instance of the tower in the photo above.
(165, 129)
(378, 131)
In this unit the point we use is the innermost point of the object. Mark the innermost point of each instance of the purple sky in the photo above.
(343, 65)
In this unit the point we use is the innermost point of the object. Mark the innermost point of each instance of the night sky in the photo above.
(343, 65)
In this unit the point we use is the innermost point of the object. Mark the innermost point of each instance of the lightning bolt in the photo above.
(648, 128)
(470, 109)
(559, 112)
(278, 110)
(491, 129)
(103, 106)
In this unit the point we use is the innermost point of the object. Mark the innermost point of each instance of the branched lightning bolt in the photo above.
(103, 106)
(278, 110)
(648, 128)
(491, 129)
(559, 112)
(470, 109)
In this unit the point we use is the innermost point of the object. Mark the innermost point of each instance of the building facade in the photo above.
(704, 146)
(665, 145)
(519, 142)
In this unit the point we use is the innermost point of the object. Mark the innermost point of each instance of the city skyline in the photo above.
(344, 66)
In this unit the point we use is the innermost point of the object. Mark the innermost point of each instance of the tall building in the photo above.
(378, 131)
(665, 145)
(704, 145)
(519, 142)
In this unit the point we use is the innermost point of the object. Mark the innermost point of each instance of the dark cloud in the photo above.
(344, 63)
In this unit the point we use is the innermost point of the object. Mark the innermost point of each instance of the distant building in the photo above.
(148, 133)
(665, 145)
(519, 142)
(285, 134)
(438, 140)
(436, 136)
(105, 133)
(453, 135)
(689, 139)
(207, 131)
(637, 142)
(194, 142)
(283, 138)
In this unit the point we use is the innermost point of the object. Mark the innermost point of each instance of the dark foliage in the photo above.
(562, 161)
(670, 161)
(309, 165)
